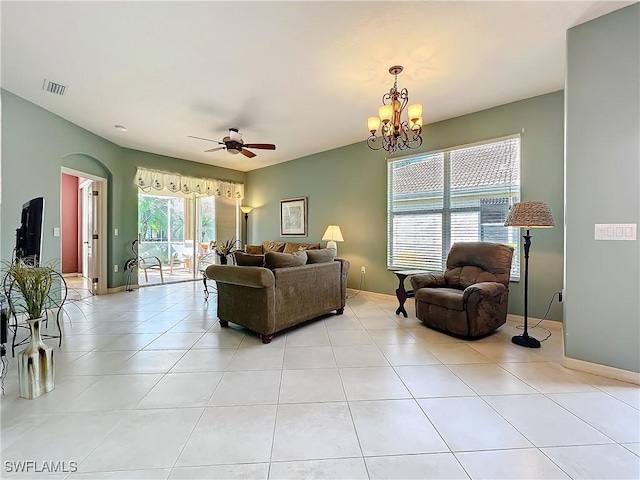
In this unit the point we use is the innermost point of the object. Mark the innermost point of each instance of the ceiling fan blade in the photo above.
(200, 138)
(214, 149)
(263, 146)
(247, 153)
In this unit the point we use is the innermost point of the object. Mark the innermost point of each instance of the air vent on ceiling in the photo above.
(54, 87)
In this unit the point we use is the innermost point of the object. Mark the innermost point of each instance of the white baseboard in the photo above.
(353, 291)
(121, 288)
(548, 324)
(602, 370)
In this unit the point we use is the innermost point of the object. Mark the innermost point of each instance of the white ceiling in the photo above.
(302, 75)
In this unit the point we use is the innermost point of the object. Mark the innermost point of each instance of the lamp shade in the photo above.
(530, 215)
(386, 113)
(415, 111)
(246, 209)
(333, 234)
(374, 124)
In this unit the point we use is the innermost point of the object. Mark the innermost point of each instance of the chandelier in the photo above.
(394, 133)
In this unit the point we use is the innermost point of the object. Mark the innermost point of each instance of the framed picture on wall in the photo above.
(293, 217)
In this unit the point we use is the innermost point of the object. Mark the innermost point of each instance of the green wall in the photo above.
(602, 309)
(36, 144)
(347, 187)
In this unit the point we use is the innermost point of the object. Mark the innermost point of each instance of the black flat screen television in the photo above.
(29, 235)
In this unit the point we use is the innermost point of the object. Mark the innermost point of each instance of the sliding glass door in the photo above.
(177, 231)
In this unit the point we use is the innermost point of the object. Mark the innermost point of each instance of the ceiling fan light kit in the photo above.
(395, 133)
(233, 144)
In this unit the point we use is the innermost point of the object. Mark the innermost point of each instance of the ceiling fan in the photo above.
(233, 144)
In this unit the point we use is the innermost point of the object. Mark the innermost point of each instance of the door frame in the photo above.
(100, 225)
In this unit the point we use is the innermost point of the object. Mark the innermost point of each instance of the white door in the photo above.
(86, 191)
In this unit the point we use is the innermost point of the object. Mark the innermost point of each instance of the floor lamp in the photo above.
(528, 215)
(246, 211)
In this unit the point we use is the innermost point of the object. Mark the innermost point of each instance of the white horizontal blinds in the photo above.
(469, 190)
(415, 206)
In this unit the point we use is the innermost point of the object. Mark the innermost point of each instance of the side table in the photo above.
(401, 293)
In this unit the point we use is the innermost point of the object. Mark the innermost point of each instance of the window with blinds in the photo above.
(458, 195)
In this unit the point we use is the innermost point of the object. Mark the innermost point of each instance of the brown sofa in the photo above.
(268, 300)
(470, 298)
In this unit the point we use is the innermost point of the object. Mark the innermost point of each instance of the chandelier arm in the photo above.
(404, 98)
(417, 139)
(371, 141)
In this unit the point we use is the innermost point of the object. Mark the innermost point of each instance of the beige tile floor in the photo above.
(149, 386)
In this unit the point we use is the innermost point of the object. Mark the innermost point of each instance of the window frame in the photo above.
(446, 211)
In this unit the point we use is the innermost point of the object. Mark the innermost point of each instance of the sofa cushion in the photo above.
(272, 246)
(282, 260)
(322, 255)
(291, 247)
(254, 249)
(248, 260)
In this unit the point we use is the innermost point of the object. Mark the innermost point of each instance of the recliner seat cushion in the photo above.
(450, 298)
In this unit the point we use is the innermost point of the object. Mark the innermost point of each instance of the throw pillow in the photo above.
(272, 246)
(282, 260)
(291, 247)
(254, 249)
(323, 255)
(248, 260)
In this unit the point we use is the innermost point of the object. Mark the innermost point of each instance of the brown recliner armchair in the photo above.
(470, 298)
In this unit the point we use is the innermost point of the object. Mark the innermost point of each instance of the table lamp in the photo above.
(333, 235)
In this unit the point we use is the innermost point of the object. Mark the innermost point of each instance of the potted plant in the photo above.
(224, 249)
(28, 288)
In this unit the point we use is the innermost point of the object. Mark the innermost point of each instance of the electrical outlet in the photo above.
(115, 268)
(561, 296)
(363, 270)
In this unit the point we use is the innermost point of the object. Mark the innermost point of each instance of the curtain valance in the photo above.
(148, 180)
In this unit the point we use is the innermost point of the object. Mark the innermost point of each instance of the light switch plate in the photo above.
(616, 231)
(56, 232)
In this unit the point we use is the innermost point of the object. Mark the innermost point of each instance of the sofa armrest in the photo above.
(428, 280)
(254, 277)
(344, 273)
(484, 290)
